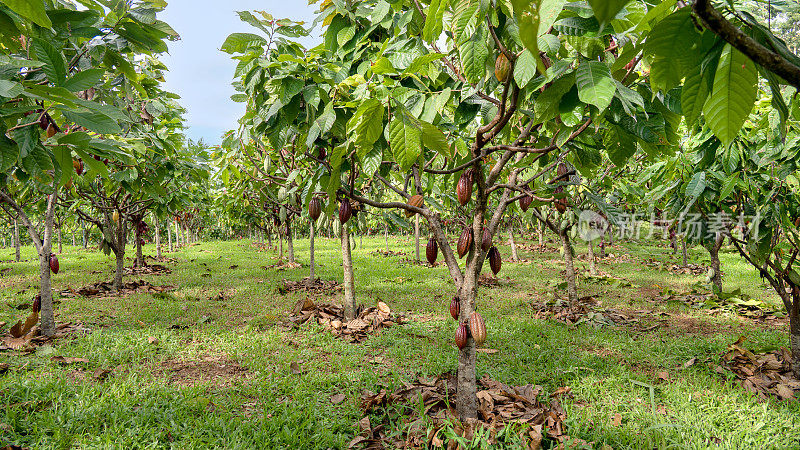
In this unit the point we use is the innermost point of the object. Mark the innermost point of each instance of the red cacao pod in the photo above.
(495, 261)
(464, 242)
(486, 243)
(54, 263)
(464, 188)
(525, 203)
(432, 251)
(77, 164)
(477, 328)
(561, 170)
(314, 208)
(462, 334)
(417, 201)
(455, 307)
(345, 211)
(37, 303)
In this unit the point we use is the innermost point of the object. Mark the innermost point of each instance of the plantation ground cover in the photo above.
(210, 365)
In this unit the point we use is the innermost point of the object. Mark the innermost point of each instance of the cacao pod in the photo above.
(37, 303)
(462, 334)
(44, 121)
(502, 68)
(77, 164)
(464, 188)
(432, 251)
(525, 203)
(314, 208)
(345, 211)
(486, 243)
(477, 328)
(115, 216)
(561, 170)
(51, 130)
(495, 261)
(417, 201)
(54, 263)
(464, 242)
(561, 203)
(797, 222)
(455, 307)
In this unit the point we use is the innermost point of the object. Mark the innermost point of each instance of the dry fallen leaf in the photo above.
(384, 308)
(663, 376)
(152, 340)
(64, 360)
(616, 420)
(337, 398)
(295, 367)
(689, 363)
(488, 351)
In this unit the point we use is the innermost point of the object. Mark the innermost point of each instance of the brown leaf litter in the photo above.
(764, 374)
(368, 320)
(280, 265)
(217, 370)
(499, 405)
(106, 289)
(689, 269)
(148, 269)
(389, 253)
(587, 311)
(28, 338)
(490, 281)
(317, 287)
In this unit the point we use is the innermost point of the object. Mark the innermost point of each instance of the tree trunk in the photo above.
(572, 290)
(177, 235)
(17, 245)
(349, 282)
(169, 237)
(74, 242)
(83, 234)
(385, 237)
(466, 389)
(158, 240)
(716, 280)
(47, 321)
(60, 241)
(289, 241)
(269, 238)
(542, 226)
(416, 235)
(513, 244)
(602, 246)
(592, 262)
(311, 253)
(119, 252)
(794, 328)
(683, 251)
(139, 257)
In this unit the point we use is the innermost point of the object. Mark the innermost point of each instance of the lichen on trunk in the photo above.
(349, 282)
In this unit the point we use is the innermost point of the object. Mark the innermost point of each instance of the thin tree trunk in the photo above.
(139, 257)
(572, 289)
(177, 235)
(48, 322)
(268, 232)
(416, 235)
(794, 328)
(592, 261)
(683, 251)
(158, 240)
(60, 240)
(541, 233)
(385, 237)
(169, 237)
(514, 256)
(349, 282)
(716, 279)
(602, 246)
(17, 245)
(120, 254)
(74, 242)
(83, 234)
(311, 252)
(466, 399)
(289, 241)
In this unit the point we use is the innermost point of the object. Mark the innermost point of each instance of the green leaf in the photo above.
(733, 95)
(366, 125)
(406, 141)
(619, 144)
(696, 185)
(525, 69)
(527, 14)
(239, 42)
(694, 95)
(93, 120)
(94, 165)
(30, 9)
(10, 89)
(605, 10)
(55, 65)
(434, 139)
(63, 156)
(548, 13)
(595, 85)
(728, 185)
(434, 20)
(674, 44)
(83, 80)
(9, 152)
(473, 55)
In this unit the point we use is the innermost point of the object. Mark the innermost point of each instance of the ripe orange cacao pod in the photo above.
(487, 240)
(464, 242)
(455, 307)
(414, 201)
(477, 328)
(54, 263)
(432, 251)
(345, 211)
(464, 188)
(495, 261)
(314, 208)
(462, 334)
(502, 68)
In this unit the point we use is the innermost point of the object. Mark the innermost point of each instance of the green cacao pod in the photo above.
(477, 328)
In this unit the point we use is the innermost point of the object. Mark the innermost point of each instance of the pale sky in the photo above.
(199, 72)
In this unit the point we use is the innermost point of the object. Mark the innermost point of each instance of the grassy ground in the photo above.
(157, 347)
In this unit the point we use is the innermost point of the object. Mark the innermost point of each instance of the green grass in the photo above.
(140, 404)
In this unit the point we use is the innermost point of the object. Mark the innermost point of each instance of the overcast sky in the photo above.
(199, 72)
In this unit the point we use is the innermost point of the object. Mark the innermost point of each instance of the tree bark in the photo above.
(289, 241)
(683, 251)
(74, 242)
(466, 399)
(416, 235)
(280, 246)
(572, 289)
(311, 253)
(542, 227)
(119, 251)
(138, 236)
(47, 321)
(169, 237)
(715, 264)
(83, 234)
(513, 244)
(158, 240)
(385, 237)
(349, 282)
(177, 235)
(592, 261)
(17, 245)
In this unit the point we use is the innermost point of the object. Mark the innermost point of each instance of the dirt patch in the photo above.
(283, 266)
(764, 374)
(499, 405)
(219, 371)
(489, 281)
(386, 254)
(106, 289)
(148, 269)
(690, 269)
(315, 287)
(414, 262)
(368, 320)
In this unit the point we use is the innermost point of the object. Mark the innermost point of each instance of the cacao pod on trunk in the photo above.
(495, 261)
(455, 307)
(54, 263)
(314, 208)
(37, 303)
(462, 334)
(464, 242)
(432, 251)
(414, 201)
(525, 203)
(486, 243)
(477, 328)
(502, 68)
(345, 211)
(464, 188)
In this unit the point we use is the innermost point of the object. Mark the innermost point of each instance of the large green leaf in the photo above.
(528, 20)
(473, 55)
(548, 13)
(605, 10)
(84, 80)
(93, 120)
(434, 20)
(696, 185)
(619, 144)
(434, 139)
(673, 44)
(694, 94)
(525, 68)
(239, 42)
(366, 125)
(30, 9)
(406, 141)
(55, 65)
(595, 85)
(733, 95)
